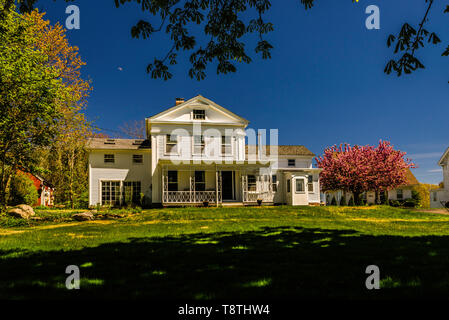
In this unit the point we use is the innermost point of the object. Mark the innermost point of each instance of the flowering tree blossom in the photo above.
(359, 169)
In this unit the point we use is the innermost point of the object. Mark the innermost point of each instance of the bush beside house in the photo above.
(22, 190)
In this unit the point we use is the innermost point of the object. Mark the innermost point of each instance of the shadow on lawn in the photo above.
(283, 262)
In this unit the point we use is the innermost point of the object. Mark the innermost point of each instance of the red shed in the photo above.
(44, 189)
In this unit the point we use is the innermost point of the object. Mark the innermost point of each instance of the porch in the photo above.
(216, 185)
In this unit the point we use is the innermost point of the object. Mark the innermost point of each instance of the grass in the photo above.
(214, 253)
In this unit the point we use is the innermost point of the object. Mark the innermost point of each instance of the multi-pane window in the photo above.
(199, 114)
(252, 185)
(226, 145)
(109, 158)
(171, 144)
(110, 192)
(172, 180)
(131, 191)
(310, 183)
(198, 144)
(399, 194)
(138, 158)
(274, 182)
(200, 181)
(291, 162)
(299, 185)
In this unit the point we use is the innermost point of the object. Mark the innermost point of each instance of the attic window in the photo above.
(199, 114)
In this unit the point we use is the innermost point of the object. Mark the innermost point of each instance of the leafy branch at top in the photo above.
(408, 42)
(223, 25)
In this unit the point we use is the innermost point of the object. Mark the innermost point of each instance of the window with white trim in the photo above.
(399, 194)
(199, 114)
(110, 192)
(310, 183)
(109, 158)
(172, 177)
(132, 190)
(171, 143)
(200, 181)
(198, 144)
(138, 158)
(252, 185)
(274, 182)
(226, 145)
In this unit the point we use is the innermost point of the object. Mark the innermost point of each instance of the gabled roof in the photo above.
(445, 154)
(298, 150)
(200, 98)
(411, 179)
(118, 144)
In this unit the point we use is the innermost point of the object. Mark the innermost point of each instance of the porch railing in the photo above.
(253, 196)
(189, 196)
(262, 190)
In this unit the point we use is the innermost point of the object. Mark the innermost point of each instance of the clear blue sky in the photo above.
(324, 84)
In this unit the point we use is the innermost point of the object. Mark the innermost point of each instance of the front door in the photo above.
(227, 185)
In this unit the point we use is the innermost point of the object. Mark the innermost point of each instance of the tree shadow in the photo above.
(270, 263)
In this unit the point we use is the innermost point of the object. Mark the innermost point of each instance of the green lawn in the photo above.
(214, 253)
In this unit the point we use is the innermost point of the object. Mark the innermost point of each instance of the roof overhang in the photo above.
(445, 154)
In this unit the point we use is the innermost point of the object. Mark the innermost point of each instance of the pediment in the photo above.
(183, 112)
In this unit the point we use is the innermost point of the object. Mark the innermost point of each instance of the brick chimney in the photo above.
(179, 100)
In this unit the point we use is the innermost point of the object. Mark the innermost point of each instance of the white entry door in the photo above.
(299, 192)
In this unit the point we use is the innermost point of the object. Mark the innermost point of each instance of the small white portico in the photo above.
(302, 186)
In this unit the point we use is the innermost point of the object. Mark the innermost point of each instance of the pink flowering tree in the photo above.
(359, 169)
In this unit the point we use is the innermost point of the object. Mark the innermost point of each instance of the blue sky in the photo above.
(324, 84)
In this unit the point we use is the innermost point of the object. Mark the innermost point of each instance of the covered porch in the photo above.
(200, 183)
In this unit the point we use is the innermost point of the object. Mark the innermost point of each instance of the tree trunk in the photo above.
(356, 196)
(4, 183)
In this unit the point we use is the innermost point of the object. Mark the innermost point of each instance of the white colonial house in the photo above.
(439, 197)
(196, 153)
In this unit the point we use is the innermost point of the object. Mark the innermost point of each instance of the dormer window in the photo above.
(199, 115)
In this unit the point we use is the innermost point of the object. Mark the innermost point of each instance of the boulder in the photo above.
(22, 211)
(17, 213)
(84, 216)
(27, 209)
